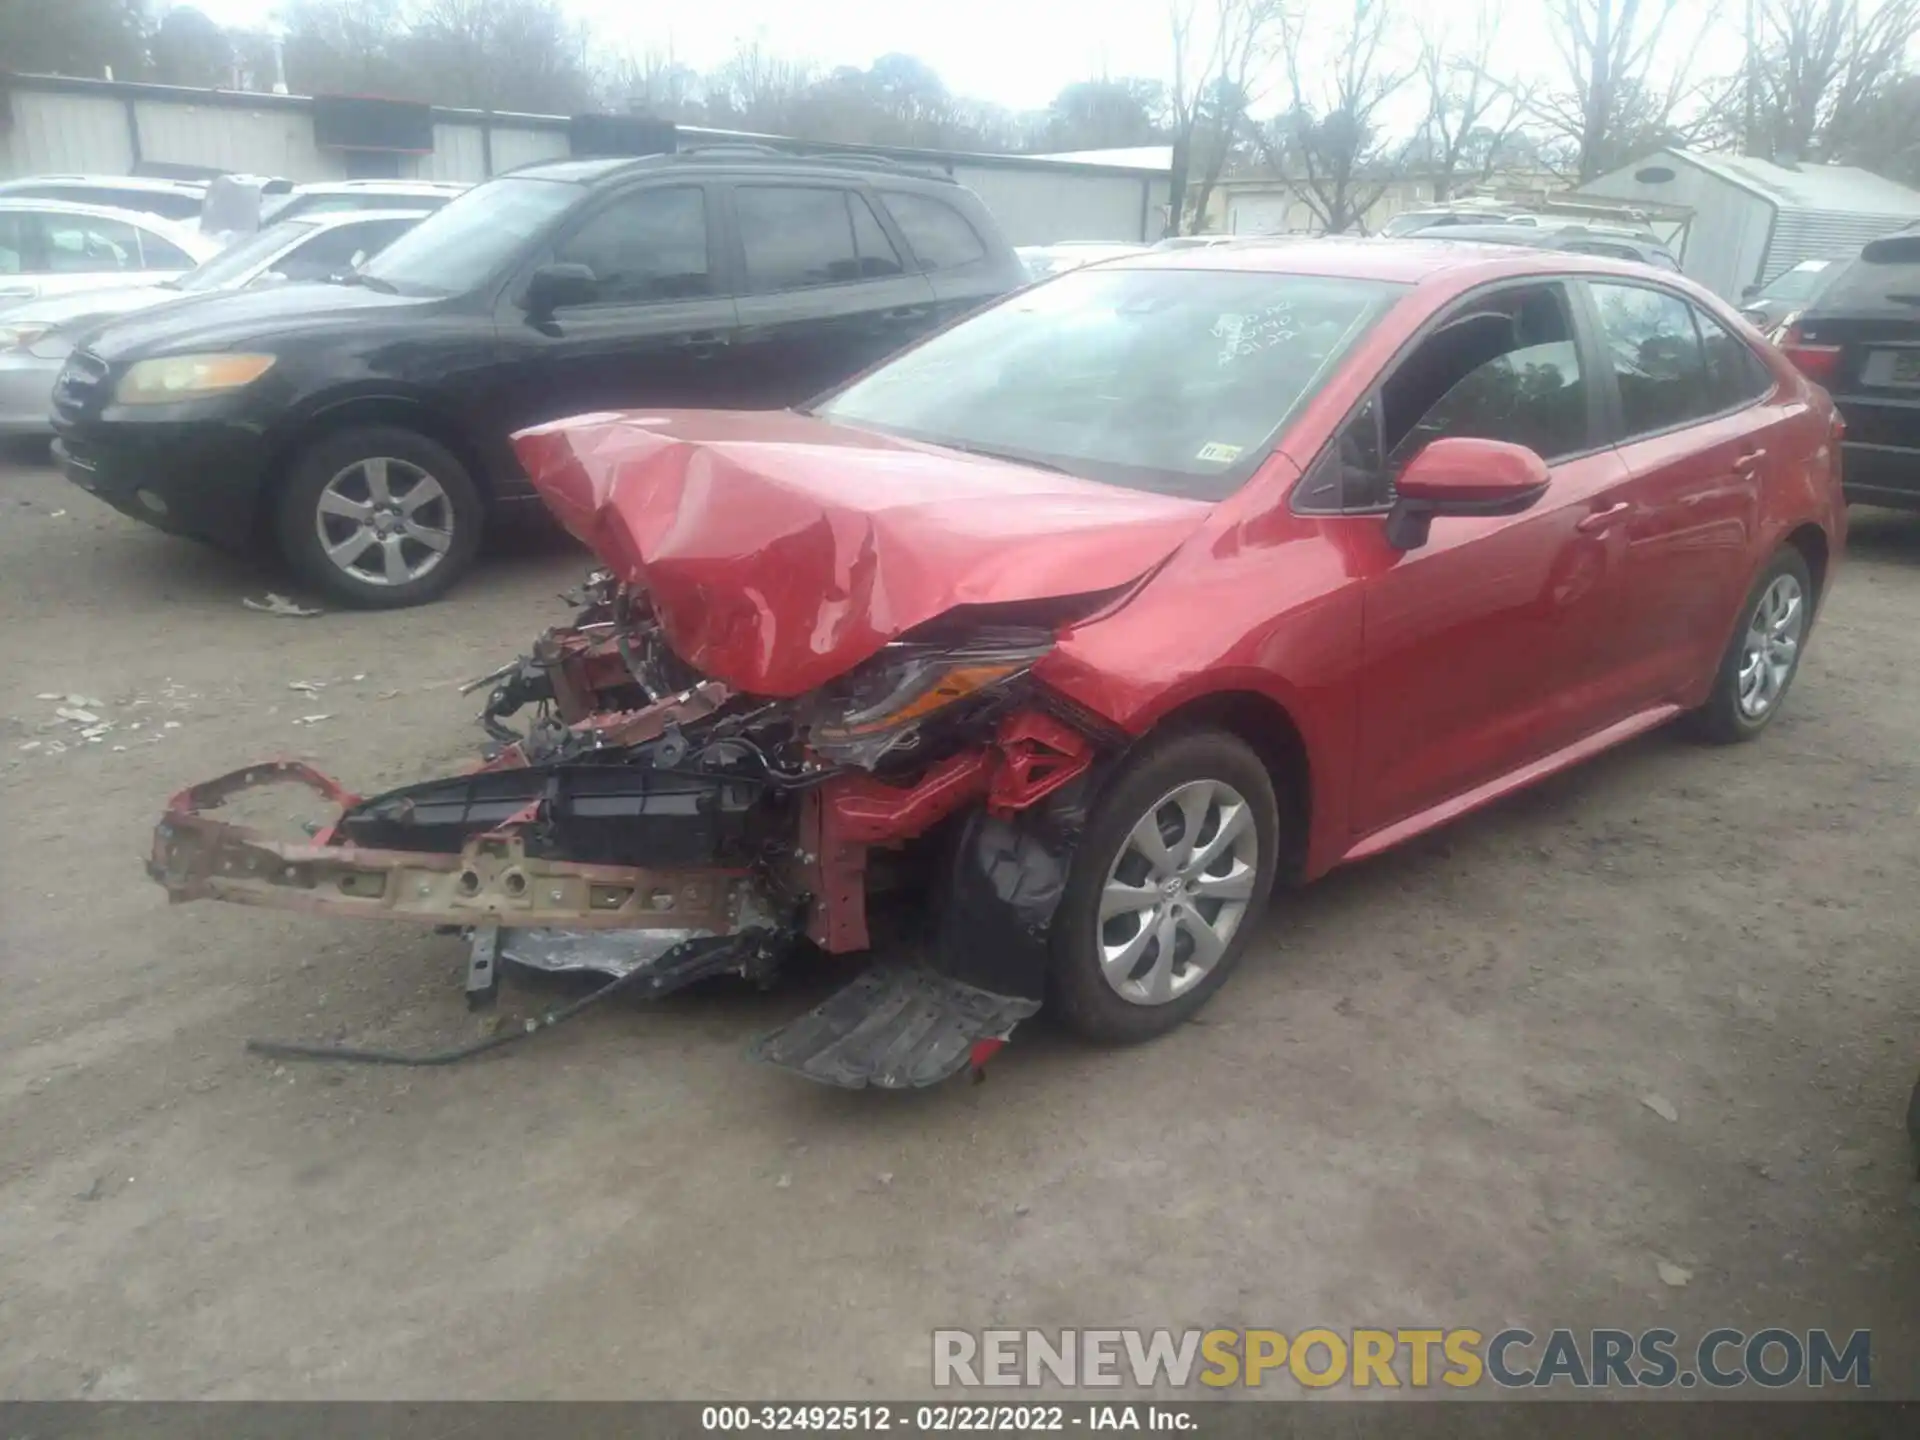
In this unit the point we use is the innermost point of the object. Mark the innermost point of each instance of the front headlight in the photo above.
(882, 704)
(188, 377)
(21, 336)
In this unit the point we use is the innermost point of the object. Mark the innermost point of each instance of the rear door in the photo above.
(825, 292)
(955, 257)
(657, 330)
(1690, 406)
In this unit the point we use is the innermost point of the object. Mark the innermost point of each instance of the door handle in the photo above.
(1749, 462)
(700, 340)
(1599, 520)
(907, 312)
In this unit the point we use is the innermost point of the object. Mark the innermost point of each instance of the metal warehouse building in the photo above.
(1752, 219)
(60, 125)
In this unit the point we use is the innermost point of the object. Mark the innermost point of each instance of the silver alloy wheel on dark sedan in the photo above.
(384, 521)
(1176, 892)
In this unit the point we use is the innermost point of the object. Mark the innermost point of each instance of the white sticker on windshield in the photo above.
(1260, 330)
(1220, 454)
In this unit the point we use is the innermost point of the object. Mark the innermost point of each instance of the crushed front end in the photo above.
(627, 808)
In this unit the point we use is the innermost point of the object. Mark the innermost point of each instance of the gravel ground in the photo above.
(1660, 1009)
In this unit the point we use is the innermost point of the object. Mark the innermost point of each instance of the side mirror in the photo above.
(1747, 292)
(554, 287)
(1463, 476)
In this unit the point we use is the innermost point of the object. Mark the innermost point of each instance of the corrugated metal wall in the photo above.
(1727, 238)
(249, 142)
(65, 134)
(55, 130)
(1036, 207)
(514, 147)
(1816, 234)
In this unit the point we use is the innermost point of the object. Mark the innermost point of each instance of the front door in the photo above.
(657, 330)
(1478, 646)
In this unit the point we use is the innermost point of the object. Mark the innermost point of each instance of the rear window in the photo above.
(938, 234)
(1884, 280)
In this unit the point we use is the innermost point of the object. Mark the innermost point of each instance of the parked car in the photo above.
(53, 247)
(1791, 291)
(365, 426)
(332, 196)
(1411, 222)
(1108, 606)
(1042, 261)
(1194, 242)
(37, 336)
(1575, 239)
(177, 200)
(1860, 338)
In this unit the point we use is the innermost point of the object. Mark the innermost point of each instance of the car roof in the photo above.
(159, 185)
(188, 237)
(728, 157)
(397, 187)
(334, 219)
(1412, 260)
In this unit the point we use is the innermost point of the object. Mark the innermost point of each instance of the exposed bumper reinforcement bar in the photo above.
(491, 881)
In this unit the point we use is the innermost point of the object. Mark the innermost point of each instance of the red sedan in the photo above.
(1094, 614)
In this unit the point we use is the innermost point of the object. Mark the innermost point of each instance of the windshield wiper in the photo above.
(984, 453)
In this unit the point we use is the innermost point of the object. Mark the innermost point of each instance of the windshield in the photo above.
(235, 265)
(472, 238)
(1164, 380)
(1802, 282)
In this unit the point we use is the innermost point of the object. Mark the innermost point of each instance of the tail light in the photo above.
(1816, 362)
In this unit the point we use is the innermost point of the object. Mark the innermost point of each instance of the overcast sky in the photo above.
(1018, 53)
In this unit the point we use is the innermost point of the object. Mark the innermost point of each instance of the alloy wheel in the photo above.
(384, 521)
(1177, 891)
(1772, 646)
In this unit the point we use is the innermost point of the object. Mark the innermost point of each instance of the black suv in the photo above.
(1860, 337)
(362, 426)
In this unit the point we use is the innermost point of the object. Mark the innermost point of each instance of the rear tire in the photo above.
(1174, 926)
(379, 517)
(1763, 657)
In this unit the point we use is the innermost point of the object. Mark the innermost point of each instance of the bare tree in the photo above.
(1616, 101)
(1472, 112)
(756, 89)
(1217, 45)
(73, 37)
(344, 47)
(1330, 142)
(656, 82)
(1816, 61)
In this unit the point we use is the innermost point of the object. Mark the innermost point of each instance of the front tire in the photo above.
(1169, 883)
(379, 517)
(1763, 657)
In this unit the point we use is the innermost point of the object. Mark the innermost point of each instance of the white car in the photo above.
(36, 337)
(53, 247)
(178, 200)
(328, 197)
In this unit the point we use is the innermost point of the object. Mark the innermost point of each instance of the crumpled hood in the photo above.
(781, 551)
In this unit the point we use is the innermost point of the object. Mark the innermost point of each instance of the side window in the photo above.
(798, 237)
(1531, 396)
(1735, 375)
(84, 244)
(939, 235)
(651, 245)
(877, 255)
(16, 251)
(1657, 357)
(157, 253)
(1507, 368)
(330, 252)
